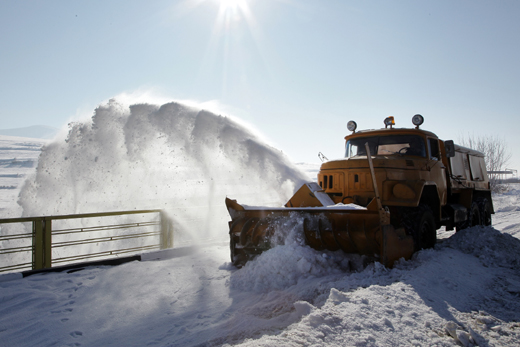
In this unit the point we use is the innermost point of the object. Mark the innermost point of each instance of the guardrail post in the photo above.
(166, 231)
(38, 244)
(42, 233)
(42, 243)
(47, 243)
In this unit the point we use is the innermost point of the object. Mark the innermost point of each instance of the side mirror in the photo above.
(450, 148)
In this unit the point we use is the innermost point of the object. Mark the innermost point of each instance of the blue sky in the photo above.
(298, 71)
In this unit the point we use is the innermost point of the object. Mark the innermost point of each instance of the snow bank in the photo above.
(492, 247)
(170, 156)
(464, 292)
(291, 261)
(444, 296)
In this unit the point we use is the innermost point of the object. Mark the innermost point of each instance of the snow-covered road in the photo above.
(466, 291)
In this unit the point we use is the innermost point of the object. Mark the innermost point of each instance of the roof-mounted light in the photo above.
(352, 126)
(389, 121)
(417, 120)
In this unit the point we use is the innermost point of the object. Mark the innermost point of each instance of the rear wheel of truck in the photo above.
(484, 208)
(473, 217)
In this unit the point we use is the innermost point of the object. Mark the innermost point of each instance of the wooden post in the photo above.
(47, 243)
(38, 244)
(166, 231)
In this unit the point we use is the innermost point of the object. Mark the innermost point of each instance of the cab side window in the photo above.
(433, 145)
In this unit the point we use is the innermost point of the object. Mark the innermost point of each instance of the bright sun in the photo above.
(231, 4)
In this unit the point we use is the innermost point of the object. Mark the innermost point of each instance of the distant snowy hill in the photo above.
(18, 158)
(35, 131)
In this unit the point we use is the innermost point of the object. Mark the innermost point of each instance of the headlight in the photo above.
(351, 126)
(417, 120)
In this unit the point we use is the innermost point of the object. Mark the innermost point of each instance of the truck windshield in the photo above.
(409, 145)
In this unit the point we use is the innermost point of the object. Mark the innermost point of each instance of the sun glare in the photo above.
(233, 34)
(231, 4)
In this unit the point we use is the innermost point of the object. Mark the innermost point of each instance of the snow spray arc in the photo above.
(172, 156)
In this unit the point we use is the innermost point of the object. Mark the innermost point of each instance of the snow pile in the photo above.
(507, 201)
(282, 267)
(507, 206)
(170, 156)
(492, 247)
(443, 297)
(290, 261)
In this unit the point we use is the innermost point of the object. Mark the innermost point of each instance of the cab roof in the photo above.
(391, 131)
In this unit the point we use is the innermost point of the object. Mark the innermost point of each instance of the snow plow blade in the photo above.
(329, 227)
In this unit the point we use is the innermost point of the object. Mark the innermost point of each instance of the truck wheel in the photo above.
(484, 208)
(427, 234)
(473, 217)
(420, 223)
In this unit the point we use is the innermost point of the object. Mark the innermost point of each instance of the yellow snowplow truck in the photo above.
(385, 199)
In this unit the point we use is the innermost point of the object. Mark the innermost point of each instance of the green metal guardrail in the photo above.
(42, 236)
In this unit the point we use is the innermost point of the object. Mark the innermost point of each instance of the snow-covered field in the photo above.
(466, 291)
(18, 158)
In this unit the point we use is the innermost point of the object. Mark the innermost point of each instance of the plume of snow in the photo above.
(171, 156)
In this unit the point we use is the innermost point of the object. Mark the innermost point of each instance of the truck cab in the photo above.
(414, 169)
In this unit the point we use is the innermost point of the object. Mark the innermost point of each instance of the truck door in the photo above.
(437, 169)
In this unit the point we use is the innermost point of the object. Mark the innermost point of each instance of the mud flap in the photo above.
(396, 245)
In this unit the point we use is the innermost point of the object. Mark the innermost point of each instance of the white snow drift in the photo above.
(177, 158)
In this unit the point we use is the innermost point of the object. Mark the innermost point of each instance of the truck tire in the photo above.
(473, 217)
(484, 208)
(420, 223)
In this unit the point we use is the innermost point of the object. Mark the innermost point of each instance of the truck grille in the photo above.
(331, 183)
(361, 181)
